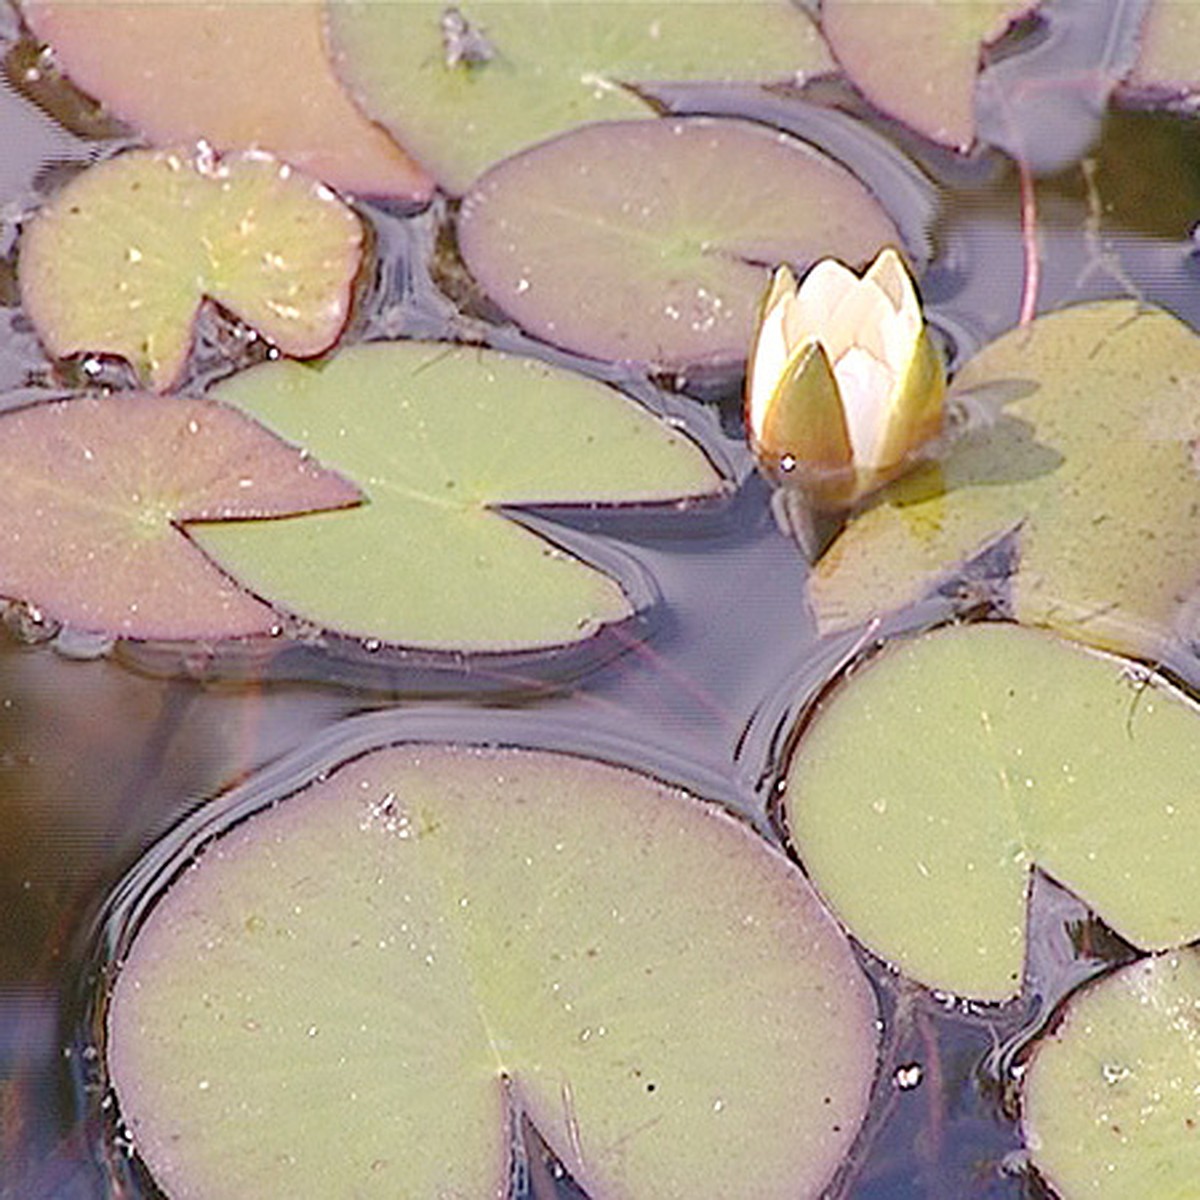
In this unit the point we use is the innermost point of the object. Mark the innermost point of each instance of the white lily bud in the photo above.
(844, 386)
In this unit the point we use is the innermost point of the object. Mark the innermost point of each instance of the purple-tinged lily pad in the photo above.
(1109, 1102)
(236, 75)
(918, 61)
(95, 491)
(122, 258)
(464, 86)
(651, 241)
(356, 990)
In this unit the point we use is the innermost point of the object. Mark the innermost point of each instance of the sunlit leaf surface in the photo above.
(652, 241)
(120, 260)
(352, 991)
(937, 777)
(95, 491)
(237, 74)
(464, 86)
(1090, 457)
(1110, 1094)
(437, 437)
(918, 61)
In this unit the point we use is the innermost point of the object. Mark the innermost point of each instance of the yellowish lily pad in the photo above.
(665, 260)
(466, 85)
(1089, 457)
(936, 778)
(918, 60)
(1110, 1096)
(96, 490)
(237, 75)
(438, 437)
(121, 259)
(354, 991)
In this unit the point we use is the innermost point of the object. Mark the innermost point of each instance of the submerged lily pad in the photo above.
(1110, 1094)
(918, 62)
(936, 779)
(121, 259)
(465, 86)
(237, 75)
(95, 491)
(438, 437)
(1169, 58)
(652, 241)
(354, 990)
(1090, 458)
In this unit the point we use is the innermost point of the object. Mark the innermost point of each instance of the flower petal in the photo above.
(914, 416)
(769, 352)
(822, 291)
(803, 432)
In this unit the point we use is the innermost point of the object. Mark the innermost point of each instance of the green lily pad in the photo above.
(466, 86)
(938, 777)
(885, 47)
(1090, 457)
(1110, 1094)
(652, 241)
(121, 259)
(352, 991)
(96, 489)
(437, 437)
(235, 75)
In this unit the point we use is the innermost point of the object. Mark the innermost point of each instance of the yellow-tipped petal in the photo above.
(803, 433)
(915, 415)
(769, 352)
(889, 273)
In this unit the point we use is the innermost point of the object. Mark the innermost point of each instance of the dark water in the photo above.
(100, 757)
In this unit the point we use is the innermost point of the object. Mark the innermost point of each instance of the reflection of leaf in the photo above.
(462, 94)
(1110, 1095)
(885, 47)
(122, 257)
(437, 437)
(648, 240)
(352, 987)
(940, 775)
(236, 75)
(1094, 466)
(94, 491)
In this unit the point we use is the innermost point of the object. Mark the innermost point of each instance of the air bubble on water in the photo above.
(908, 1076)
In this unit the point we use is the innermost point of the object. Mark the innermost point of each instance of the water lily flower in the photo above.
(844, 387)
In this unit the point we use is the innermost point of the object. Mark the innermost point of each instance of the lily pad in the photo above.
(935, 780)
(1168, 59)
(438, 437)
(918, 62)
(236, 75)
(354, 990)
(95, 491)
(465, 86)
(122, 258)
(652, 241)
(1090, 457)
(1110, 1095)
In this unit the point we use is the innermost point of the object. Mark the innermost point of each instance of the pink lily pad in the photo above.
(122, 258)
(95, 492)
(652, 241)
(239, 76)
(918, 61)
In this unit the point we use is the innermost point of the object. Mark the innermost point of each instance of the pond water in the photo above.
(105, 749)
